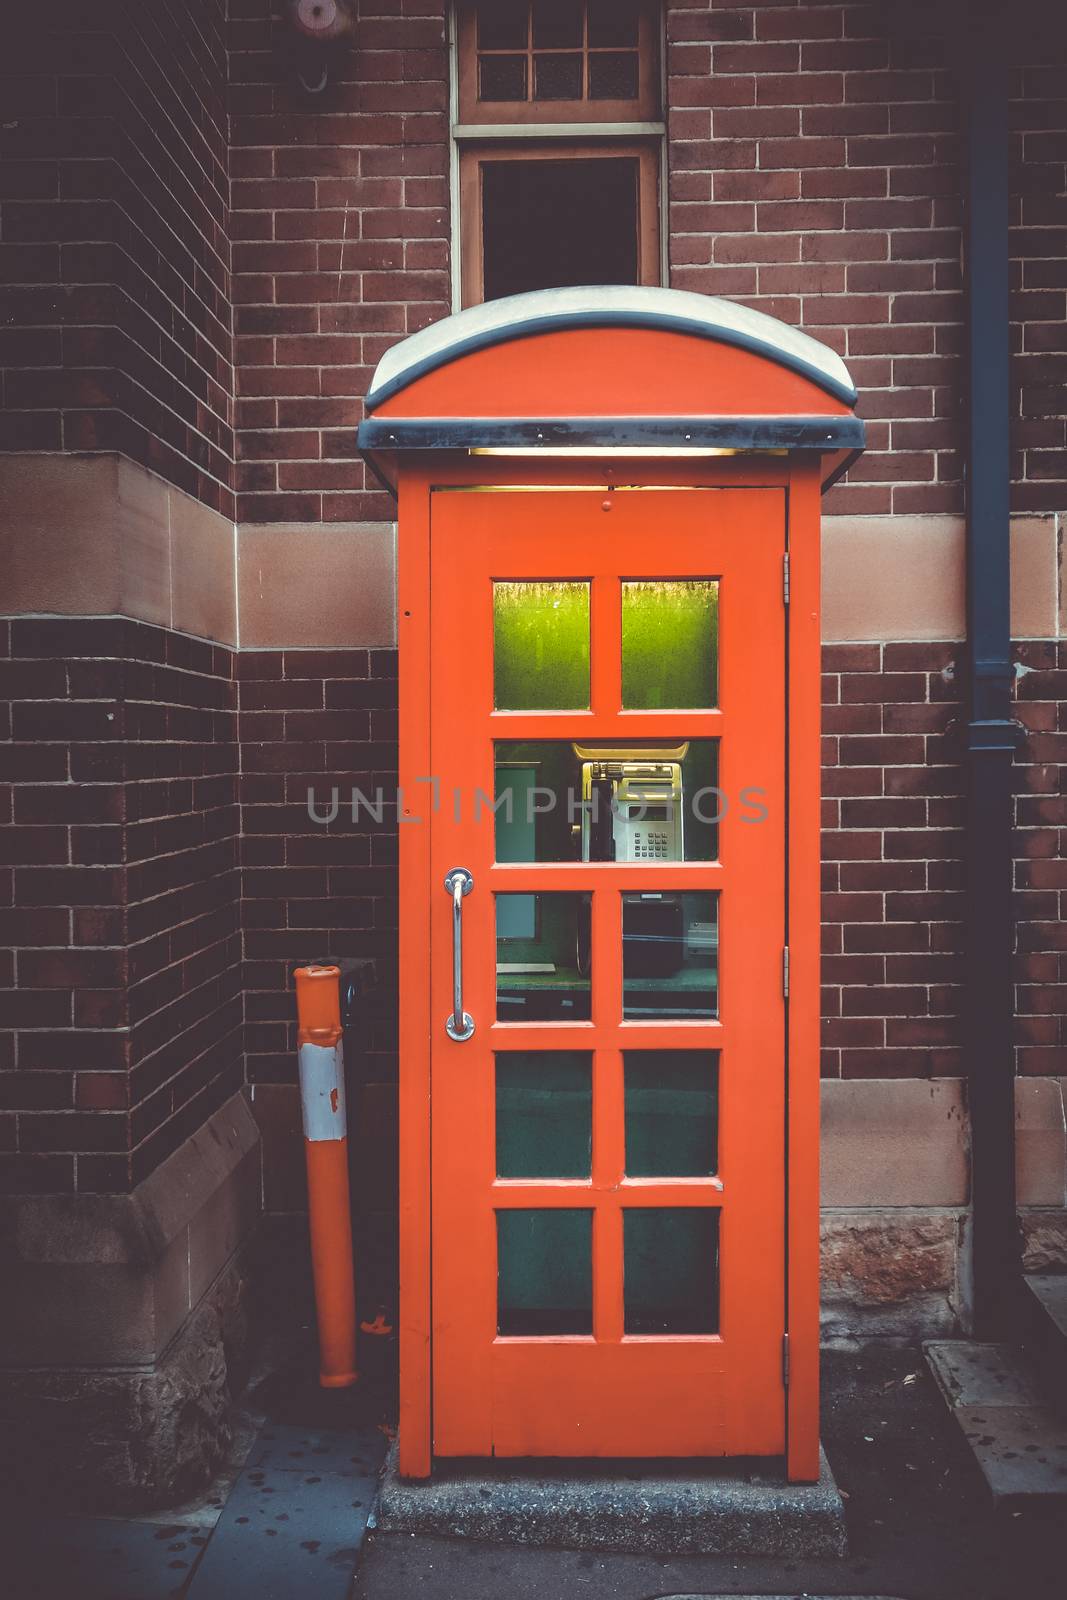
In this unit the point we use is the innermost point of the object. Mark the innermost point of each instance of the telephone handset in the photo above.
(632, 811)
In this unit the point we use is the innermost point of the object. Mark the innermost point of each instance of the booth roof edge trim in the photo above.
(540, 435)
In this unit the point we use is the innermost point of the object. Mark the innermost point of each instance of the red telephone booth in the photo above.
(609, 851)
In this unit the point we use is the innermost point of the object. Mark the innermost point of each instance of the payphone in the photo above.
(633, 810)
(632, 804)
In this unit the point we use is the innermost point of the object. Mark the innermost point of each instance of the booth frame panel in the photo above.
(799, 475)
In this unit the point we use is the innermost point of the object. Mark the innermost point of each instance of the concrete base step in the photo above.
(703, 1510)
(1018, 1441)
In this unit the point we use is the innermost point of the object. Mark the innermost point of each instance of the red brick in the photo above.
(101, 1091)
(788, 215)
(757, 248)
(801, 152)
(800, 89)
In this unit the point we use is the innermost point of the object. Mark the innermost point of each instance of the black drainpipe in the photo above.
(988, 997)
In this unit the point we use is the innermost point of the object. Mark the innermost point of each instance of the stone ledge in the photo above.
(99, 535)
(895, 1142)
(1044, 1239)
(108, 1280)
(709, 1510)
(894, 1273)
(125, 1439)
(1040, 1142)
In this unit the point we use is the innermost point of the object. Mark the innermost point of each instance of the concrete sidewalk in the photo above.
(286, 1521)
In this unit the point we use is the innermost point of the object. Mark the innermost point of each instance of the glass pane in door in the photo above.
(562, 800)
(671, 1269)
(543, 957)
(670, 643)
(672, 1113)
(544, 1271)
(544, 1114)
(541, 645)
(670, 955)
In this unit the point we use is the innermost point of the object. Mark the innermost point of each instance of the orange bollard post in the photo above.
(322, 1102)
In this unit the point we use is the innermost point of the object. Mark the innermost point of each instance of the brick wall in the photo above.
(320, 719)
(340, 227)
(1041, 867)
(119, 899)
(892, 877)
(114, 237)
(182, 888)
(314, 719)
(892, 860)
(814, 173)
(1039, 283)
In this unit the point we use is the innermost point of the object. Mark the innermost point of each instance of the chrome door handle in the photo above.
(460, 1024)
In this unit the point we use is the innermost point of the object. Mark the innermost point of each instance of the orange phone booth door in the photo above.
(609, 704)
(608, 1143)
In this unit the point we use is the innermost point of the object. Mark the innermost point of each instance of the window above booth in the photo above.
(556, 121)
(558, 61)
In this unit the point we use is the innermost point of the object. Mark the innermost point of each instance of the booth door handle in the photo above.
(460, 1024)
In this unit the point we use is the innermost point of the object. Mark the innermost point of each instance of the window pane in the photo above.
(557, 24)
(541, 646)
(670, 643)
(543, 957)
(670, 956)
(560, 801)
(544, 1272)
(612, 22)
(502, 25)
(672, 1113)
(613, 76)
(558, 77)
(671, 1270)
(501, 77)
(550, 224)
(544, 1114)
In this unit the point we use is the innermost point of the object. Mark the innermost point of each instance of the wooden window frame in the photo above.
(474, 112)
(646, 152)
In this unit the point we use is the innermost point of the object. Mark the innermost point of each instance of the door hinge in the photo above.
(785, 971)
(785, 1360)
(785, 578)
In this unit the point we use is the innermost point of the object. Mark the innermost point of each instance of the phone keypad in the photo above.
(651, 847)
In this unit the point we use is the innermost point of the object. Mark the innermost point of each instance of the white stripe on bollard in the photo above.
(322, 1091)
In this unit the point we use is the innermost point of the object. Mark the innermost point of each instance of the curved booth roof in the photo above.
(521, 316)
(632, 370)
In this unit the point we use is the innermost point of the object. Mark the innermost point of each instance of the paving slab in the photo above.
(99, 1558)
(1050, 1291)
(590, 1507)
(972, 1374)
(352, 1454)
(1021, 1450)
(1046, 1336)
(1019, 1443)
(296, 1518)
